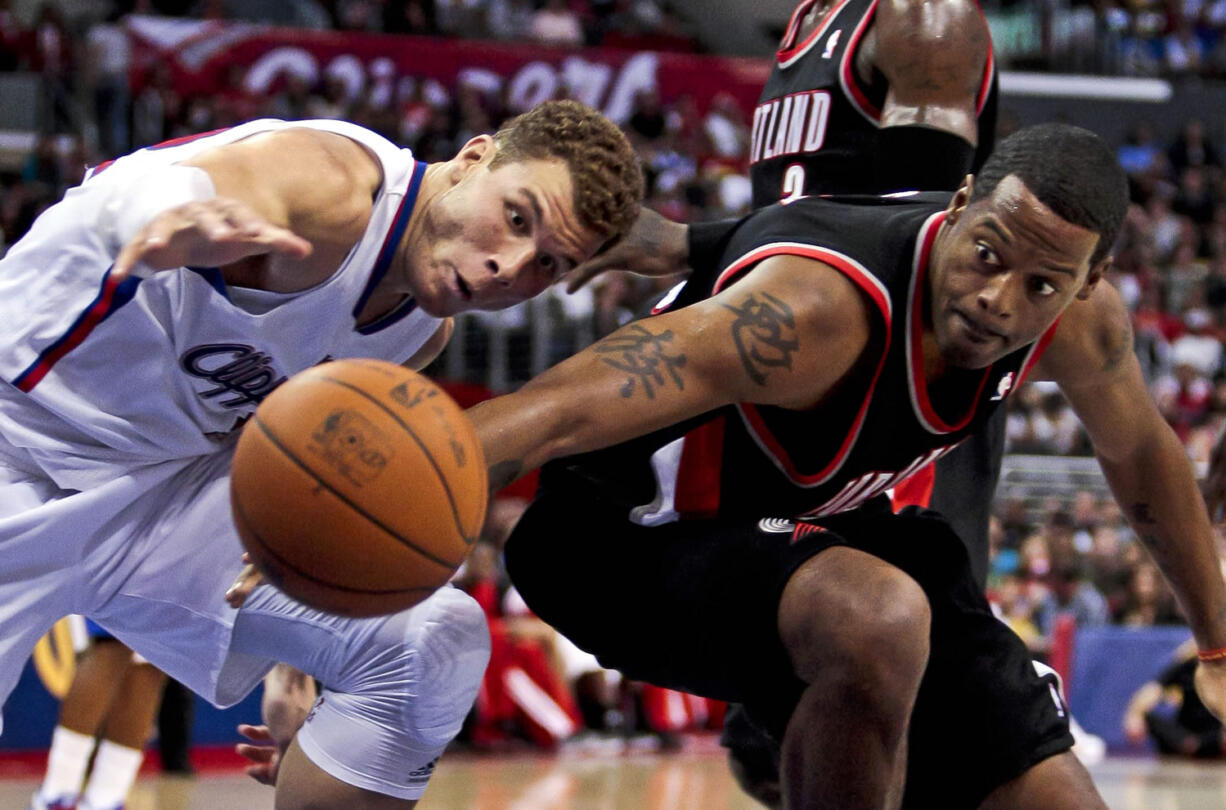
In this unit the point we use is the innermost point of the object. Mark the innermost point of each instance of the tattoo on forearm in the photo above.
(644, 356)
(504, 472)
(765, 335)
(1146, 525)
(1143, 515)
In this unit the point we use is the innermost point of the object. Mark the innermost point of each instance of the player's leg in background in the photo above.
(125, 732)
(174, 724)
(396, 690)
(856, 629)
(99, 674)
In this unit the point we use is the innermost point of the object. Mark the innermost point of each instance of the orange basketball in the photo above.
(358, 487)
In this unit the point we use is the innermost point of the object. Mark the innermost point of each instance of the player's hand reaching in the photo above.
(244, 584)
(263, 752)
(288, 697)
(655, 246)
(207, 233)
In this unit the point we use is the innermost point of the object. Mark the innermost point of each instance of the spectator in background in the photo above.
(410, 17)
(233, 103)
(1054, 428)
(1192, 149)
(53, 56)
(510, 19)
(108, 58)
(1110, 569)
(1017, 609)
(647, 121)
(333, 102)
(293, 100)
(1149, 601)
(156, 108)
(14, 38)
(1168, 710)
(556, 24)
(1071, 593)
(1140, 151)
(1183, 52)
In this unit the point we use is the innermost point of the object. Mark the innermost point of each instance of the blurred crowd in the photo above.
(1081, 560)
(1154, 38)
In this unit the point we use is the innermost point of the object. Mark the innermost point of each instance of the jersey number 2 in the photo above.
(793, 183)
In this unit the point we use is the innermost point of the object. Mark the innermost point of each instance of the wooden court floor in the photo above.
(685, 781)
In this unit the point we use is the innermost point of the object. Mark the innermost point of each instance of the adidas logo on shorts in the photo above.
(423, 773)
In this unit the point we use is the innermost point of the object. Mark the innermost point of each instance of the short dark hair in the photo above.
(1070, 170)
(606, 173)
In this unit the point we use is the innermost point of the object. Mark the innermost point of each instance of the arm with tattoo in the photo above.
(1144, 461)
(784, 335)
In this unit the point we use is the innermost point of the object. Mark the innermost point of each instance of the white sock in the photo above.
(114, 772)
(66, 764)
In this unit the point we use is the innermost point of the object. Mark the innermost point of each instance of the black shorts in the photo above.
(692, 606)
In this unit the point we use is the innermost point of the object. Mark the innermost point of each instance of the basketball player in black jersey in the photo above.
(864, 97)
(837, 347)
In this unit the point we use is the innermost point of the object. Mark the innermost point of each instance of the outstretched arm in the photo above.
(1091, 358)
(300, 195)
(782, 336)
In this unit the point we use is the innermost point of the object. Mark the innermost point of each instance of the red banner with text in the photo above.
(202, 57)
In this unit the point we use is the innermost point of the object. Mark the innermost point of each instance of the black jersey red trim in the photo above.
(877, 293)
(916, 380)
(847, 71)
(788, 52)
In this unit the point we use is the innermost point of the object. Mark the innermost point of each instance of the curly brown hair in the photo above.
(606, 173)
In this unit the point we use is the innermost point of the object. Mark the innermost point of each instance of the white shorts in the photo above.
(149, 556)
(396, 688)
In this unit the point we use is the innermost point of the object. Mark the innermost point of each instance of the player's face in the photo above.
(1002, 272)
(498, 237)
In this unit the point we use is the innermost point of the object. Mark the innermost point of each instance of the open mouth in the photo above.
(463, 287)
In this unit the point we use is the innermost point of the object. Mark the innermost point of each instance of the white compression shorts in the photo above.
(396, 688)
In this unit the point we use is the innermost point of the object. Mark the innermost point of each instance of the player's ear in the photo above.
(961, 199)
(477, 152)
(1093, 277)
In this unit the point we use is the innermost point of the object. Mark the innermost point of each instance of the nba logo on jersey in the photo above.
(1003, 388)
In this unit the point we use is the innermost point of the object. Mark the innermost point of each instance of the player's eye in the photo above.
(516, 219)
(547, 262)
(985, 254)
(1043, 287)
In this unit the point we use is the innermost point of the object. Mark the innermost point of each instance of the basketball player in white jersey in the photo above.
(145, 317)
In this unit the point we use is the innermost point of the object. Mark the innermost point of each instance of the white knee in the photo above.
(400, 696)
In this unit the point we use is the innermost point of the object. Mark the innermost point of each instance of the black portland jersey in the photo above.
(881, 424)
(816, 123)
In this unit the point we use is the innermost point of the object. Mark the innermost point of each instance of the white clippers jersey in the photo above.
(116, 376)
